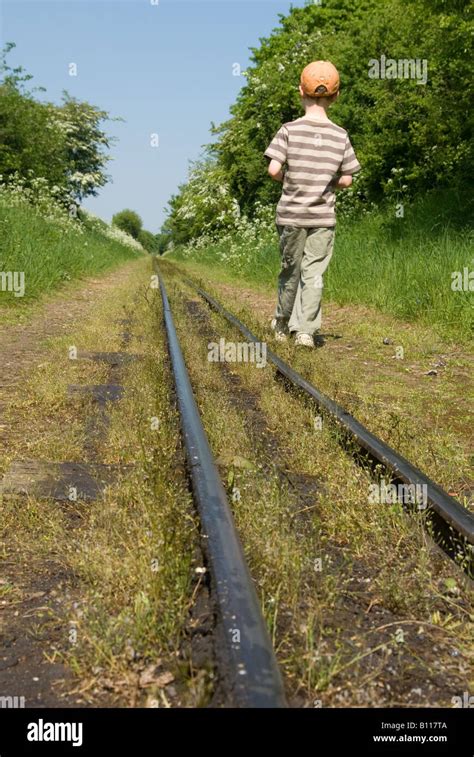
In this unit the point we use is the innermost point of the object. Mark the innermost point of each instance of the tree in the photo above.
(86, 143)
(64, 144)
(410, 135)
(147, 240)
(162, 241)
(128, 221)
(30, 145)
(202, 206)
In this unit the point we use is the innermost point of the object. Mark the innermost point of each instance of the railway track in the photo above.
(248, 672)
(248, 668)
(251, 672)
(453, 523)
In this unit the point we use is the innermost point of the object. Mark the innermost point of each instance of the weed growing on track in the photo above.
(360, 609)
(136, 552)
(132, 555)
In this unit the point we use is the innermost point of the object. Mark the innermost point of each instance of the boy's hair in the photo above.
(324, 100)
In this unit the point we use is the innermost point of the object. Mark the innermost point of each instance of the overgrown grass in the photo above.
(426, 418)
(49, 253)
(133, 553)
(401, 265)
(354, 597)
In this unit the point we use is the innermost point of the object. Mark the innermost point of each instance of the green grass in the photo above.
(402, 266)
(131, 556)
(49, 254)
(333, 625)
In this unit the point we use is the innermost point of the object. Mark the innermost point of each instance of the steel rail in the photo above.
(446, 507)
(248, 666)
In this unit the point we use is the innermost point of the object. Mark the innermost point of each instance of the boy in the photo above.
(319, 159)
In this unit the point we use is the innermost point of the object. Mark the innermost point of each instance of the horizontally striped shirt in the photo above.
(316, 152)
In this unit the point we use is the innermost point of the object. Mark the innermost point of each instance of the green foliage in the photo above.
(147, 240)
(128, 221)
(90, 221)
(51, 158)
(203, 205)
(29, 143)
(409, 136)
(162, 242)
(48, 247)
(63, 144)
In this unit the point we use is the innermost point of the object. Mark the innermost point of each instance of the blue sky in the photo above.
(166, 69)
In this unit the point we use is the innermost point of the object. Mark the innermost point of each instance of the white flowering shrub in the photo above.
(109, 231)
(351, 203)
(86, 145)
(203, 206)
(50, 202)
(112, 232)
(246, 245)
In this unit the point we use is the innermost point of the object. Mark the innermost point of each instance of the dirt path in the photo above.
(32, 591)
(22, 345)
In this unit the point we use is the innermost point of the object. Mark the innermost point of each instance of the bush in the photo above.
(128, 221)
(203, 206)
(47, 246)
(147, 240)
(63, 144)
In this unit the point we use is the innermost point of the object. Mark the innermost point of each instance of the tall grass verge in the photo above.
(43, 245)
(404, 266)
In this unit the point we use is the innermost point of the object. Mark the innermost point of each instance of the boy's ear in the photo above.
(301, 90)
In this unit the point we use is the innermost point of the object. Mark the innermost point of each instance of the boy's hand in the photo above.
(275, 170)
(342, 182)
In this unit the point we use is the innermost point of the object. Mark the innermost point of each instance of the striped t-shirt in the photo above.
(316, 153)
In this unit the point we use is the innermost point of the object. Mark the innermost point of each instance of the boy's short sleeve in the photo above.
(278, 147)
(349, 164)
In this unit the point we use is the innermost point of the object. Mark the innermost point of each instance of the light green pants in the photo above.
(305, 255)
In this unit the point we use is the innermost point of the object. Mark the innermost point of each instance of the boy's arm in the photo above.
(275, 170)
(349, 166)
(276, 153)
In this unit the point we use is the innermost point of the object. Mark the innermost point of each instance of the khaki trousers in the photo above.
(305, 255)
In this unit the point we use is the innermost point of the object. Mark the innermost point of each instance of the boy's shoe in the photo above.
(304, 340)
(280, 329)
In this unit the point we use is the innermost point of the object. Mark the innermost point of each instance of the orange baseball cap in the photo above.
(320, 79)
